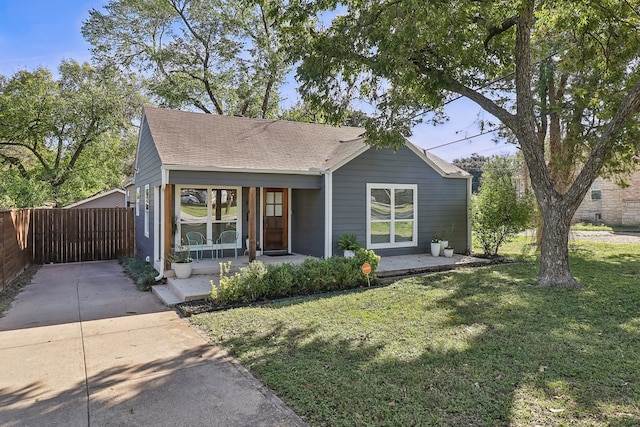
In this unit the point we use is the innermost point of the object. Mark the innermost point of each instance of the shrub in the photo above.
(244, 286)
(259, 282)
(497, 212)
(142, 273)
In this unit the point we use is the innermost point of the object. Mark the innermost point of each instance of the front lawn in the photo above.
(479, 347)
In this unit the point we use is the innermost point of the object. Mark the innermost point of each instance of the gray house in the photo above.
(109, 199)
(314, 183)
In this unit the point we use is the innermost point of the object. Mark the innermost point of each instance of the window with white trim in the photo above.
(146, 210)
(208, 210)
(391, 215)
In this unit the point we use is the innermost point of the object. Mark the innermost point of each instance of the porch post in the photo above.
(252, 224)
(165, 245)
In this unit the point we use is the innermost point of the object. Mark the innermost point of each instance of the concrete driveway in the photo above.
(81, 346)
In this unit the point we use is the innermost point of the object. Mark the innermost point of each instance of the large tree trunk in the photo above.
(554, 250)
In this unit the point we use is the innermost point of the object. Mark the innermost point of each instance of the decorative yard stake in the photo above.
(366, 269)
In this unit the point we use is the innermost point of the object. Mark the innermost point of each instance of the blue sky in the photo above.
(36, 33)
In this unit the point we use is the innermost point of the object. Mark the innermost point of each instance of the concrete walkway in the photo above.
(81, 346)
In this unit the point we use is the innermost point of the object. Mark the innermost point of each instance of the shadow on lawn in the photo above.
(515, 354)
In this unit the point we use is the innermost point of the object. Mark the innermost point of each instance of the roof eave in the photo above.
(310, 171)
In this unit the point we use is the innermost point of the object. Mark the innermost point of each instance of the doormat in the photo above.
(277, 253)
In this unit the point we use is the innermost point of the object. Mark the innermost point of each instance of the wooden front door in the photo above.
(276, 219)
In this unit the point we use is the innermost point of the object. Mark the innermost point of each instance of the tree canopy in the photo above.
(221, 57)
(473, 164)
(563, 77)
(66, 139)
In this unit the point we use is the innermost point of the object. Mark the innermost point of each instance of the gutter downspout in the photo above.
(163, 186)
(328, 212)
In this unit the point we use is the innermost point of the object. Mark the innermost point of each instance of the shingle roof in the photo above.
(211, 141)
(446, 167)
(188, 139)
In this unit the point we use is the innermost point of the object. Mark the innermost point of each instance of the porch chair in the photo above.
(228, 238)
(198, 244)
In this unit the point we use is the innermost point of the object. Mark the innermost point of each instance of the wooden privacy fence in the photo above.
(73, 235)
(15, 247)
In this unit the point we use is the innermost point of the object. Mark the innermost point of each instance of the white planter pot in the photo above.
(435, 249)
(443, 244)
(182, 270)
(349, 254)
(448, 253)
(258, 251)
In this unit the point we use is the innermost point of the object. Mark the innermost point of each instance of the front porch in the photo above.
(199, 284)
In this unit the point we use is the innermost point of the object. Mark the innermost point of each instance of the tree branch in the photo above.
(495, 31)
(629, 107)
(17, 163)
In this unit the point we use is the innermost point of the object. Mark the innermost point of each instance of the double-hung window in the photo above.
(391, 215)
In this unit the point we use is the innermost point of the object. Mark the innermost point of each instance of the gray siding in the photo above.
(307, 222)
(147, 172)
(441, 201)
(245, 179)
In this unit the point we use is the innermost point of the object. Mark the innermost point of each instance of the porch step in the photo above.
(165, 295)
(195, 287)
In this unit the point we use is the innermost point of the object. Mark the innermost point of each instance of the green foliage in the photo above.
(140, 271)
(257, 281)
(497, 213)
(473, 164)
(348, 242)
(470, 347)
(221, 57)
(66, 139)
(181, 256)
(568, 82)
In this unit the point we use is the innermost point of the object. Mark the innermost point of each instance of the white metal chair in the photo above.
(198, 244)
(228, 239)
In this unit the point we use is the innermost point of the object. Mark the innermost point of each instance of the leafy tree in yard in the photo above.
(219, 57)
(303, 113)
(497, 213)
(63, 140)
(561, 74)
(473, 164)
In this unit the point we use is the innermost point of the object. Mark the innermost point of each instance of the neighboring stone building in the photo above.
(607, 203)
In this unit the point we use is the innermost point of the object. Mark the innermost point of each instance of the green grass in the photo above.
(601, 227)
(479, 347)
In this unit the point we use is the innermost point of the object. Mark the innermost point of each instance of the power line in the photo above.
(466, 138)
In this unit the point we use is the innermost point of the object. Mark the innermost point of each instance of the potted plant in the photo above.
(445, 234)
(181, 262)
(258, 249)
(435, 246)
(448, 251)
(348, 242)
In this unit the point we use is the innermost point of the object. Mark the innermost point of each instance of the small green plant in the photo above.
(349, 242)
(435, 240)
(179, 256)
(143, 274)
